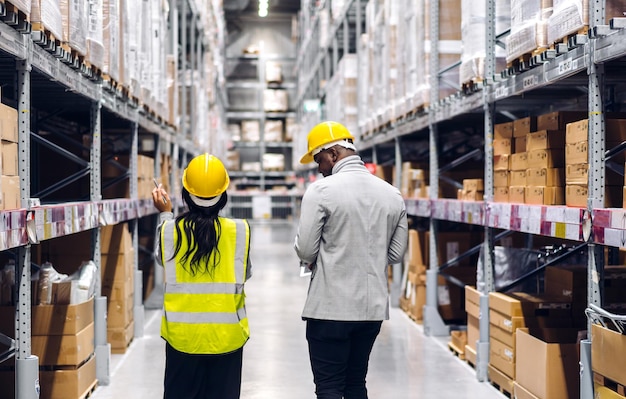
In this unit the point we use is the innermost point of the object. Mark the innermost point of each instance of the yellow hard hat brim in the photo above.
(306, 158)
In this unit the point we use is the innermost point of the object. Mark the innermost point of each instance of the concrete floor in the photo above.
(404, 364)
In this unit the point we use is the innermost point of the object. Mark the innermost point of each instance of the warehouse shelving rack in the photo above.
(45, 88)
(263, 193)
(584, 66)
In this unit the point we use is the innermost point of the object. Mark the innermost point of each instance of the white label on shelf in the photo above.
(530, 81)
(504, 216)
(572, 232)
(534, 219)
(501, 91)
(614, 238)
(565, 66)
(572, 216)
(618, 219)
(555, 214)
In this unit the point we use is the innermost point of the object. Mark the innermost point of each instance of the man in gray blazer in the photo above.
(352, 226)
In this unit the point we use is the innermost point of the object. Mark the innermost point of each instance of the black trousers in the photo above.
(189, 376)
(339, 353)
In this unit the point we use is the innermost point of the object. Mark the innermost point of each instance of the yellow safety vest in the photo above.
(205, 314)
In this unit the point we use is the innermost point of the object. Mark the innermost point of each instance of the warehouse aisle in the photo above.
(404, 365)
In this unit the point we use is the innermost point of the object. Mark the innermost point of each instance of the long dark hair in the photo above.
(202, 229)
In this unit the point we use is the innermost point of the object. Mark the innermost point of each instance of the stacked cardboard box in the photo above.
(549, 143)
(114, 168)
(547, 363)
(577, 162)
(273, 72)
(275, 100)
(9, 181)
(473, 190)
(608, 348)
(414, 183)
(414, 296)
(508, 313)
(118, 276)
(341, 93)
(63, 339)
(472, 307)
(273, 131)
(250, 130)
(503, 149)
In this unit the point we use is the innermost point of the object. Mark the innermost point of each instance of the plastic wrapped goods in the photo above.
(111, 38)
(46, 15)
(95, 37)
(75, 24)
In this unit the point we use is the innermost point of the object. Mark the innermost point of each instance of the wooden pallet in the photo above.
(470, 356)
(458, 352)
(472, 85)
(89, 391)
(569, 41)
(500, 381)
(13, 16)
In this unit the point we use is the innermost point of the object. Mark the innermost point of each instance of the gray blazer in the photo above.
(352, 227)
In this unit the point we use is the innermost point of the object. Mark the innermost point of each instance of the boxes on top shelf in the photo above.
(273, 72)
(273, 131)
(275, 100)
(250, 130)
(503, 130)
(545, 139)
(523, 126)
(46, 16)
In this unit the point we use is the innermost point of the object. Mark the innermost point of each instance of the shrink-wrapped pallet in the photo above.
(528, 27)
(572, 16)
(95, 38)
(394, 26)
(341, 95)
(449, 47)
(111, 38)
(473, 21)
(75, 24)
(45, 15)
(413, 49)
(22, 5)
(129, 72)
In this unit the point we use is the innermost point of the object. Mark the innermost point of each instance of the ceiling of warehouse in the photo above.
(233, 8)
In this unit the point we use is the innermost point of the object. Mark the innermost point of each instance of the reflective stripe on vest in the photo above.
(172, 286)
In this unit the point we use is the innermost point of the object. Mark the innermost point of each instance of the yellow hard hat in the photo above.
(324, 133)
(205, 176)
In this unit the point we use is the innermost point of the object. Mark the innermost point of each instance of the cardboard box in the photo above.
(8, 124)
(540, 195)
(519, 161)
(576, 153)
(64, 350)
(559, 120)
(552, 177)
(608, 350)
(523, 126)
(502, 146)
(522, 304)
(10, 186)
(73, 383)
(472, 301)
(502, 357)
(520, 144)
(615, 131)
(548, 363)
(50, 319)
(120, 337)
(521, 393)
(501, 194)
(473, 331)
(501, 178)
(120, 313)
(545, 139)
(602, 392)
(518, 178)
(548, 158)
(417, 243)
(503, 130)
(577, 174)
(517, 194)
(501, 162)
(576, 195)
(473, 184)
(9, 158)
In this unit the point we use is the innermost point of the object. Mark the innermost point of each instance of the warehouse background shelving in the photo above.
(89, 143)
(578, 74)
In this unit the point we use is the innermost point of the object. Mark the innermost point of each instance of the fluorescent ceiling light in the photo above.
(263, 8)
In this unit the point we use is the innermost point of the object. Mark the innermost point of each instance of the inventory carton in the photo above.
(517, 194)
(503, 130)
(558, 120)
(501, 194)
(520, 144)
(608, 351)
(548, 363)
(501, 178)
(519, 161)
(8, 124)
(503, 146)
(552, 177)
(64, 350)
(51, 319)
(523, 126)
(518, 178)
(544, 139)
(553, 158)
(501, 162)
(502, 357)
(539, 195)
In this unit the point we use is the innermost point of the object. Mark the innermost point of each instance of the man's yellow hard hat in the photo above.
(322, 134)
(205, 176)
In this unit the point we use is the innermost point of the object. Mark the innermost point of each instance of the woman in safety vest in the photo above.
(206, 262)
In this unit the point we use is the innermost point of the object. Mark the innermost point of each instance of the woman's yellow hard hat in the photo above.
(322, 134)
(205, 176)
